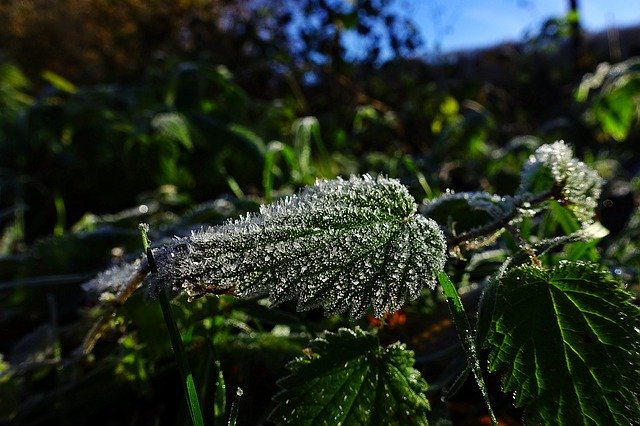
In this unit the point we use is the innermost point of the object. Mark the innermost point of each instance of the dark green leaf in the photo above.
(567, 342)
(351, 380)
(541, 180)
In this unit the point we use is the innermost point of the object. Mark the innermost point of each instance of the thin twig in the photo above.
(524, 245)
(498, 223)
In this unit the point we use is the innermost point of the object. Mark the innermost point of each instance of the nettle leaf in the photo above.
(568, 344)
(346, 245)
(350, 379)
(553, 165)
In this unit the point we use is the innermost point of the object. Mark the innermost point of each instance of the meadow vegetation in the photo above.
(332, 228)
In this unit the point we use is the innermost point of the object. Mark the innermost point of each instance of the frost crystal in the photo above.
(580, 185)
(110, 282)
(346, 245)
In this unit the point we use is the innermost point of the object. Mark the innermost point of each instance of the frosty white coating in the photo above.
(580, 184)
(494, 205)
(346, 245)
(112, 280)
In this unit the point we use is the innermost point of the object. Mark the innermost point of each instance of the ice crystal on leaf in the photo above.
(112, 281)
(554, 165)
(347, 245)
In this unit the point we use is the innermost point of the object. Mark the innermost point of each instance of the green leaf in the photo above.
(191, 394)
(59, 82)
(616, 111)
(612, 96)
(560, 215)
(486, 308)
(14, 86)
(456, 384)
(247, 139)
(540, 180)
(173, 126)
(274, 149)
(346, 245)
(568, 345)
(351, 380)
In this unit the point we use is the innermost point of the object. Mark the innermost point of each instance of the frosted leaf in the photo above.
(463, 212)
(494, 205)
(347, 245)
(554, 165)
(110, 282)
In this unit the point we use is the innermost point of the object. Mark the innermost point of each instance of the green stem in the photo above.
(465, 333)
(176, 339)
(183, 364)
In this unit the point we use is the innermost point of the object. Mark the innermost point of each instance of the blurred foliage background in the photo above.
(183, 113)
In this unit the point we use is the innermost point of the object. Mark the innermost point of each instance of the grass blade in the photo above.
(235, 406)
(176, 340)
(466, 336)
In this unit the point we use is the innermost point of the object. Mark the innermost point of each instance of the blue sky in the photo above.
(450, 25)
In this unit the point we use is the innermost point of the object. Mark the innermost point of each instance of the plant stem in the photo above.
(498, 223)
(463, 327)
(181, 357)
(176, 340)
